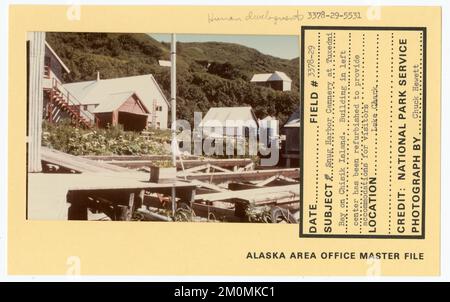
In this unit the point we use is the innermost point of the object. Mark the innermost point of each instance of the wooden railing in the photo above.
(72, 101)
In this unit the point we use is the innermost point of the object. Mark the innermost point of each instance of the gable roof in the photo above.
(261, 77)
(218, 116)
(57, 57)
(269, 118)
(115, 100)
(266, 77)
(279, 75)
(97, 91)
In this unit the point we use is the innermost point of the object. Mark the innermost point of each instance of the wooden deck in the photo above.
(51, 195)
(108, 186)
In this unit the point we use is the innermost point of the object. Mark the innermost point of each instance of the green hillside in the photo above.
(208, 74)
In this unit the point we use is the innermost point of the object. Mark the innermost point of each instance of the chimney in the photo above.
(98, 75)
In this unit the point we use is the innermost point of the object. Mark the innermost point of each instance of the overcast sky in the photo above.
(286, 47)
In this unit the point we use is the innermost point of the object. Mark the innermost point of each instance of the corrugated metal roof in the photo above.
(219, 116)
(279, 75)
(95, 92)
(114, 101)
(261, 77)
(276, 76)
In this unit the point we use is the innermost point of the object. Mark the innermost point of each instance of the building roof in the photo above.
(218, 116)
(266, 77)
(115, 100)
(269, 118)
(57, 57)
(261, 77)
(97, 91)
(294, 120)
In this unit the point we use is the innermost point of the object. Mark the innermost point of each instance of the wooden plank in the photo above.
(218, 168)
(195, 169)
(244, 176)
(267, 181)
(133, 157)
(209, 186)
(234, 186)
(280, 194)
(76, 163)
(189, 163)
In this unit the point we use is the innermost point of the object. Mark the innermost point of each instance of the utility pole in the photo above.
(173, 97)
(173, 105)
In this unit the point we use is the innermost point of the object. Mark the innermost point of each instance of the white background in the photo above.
(445, 146)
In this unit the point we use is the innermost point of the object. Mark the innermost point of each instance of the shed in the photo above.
(125, 108)
(277, 80)
(234, 121)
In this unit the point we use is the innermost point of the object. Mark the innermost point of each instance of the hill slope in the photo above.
(208, 74)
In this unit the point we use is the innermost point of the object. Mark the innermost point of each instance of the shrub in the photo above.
(112, 141)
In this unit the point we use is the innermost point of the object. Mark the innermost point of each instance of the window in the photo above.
(85, 107)
(47, 62)
(158, 108)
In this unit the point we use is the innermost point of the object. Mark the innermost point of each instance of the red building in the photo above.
(126, 109)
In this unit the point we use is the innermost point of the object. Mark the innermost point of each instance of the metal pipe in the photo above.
(173, 95)
(152, 216)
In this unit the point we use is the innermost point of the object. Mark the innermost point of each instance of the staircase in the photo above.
(62, 103)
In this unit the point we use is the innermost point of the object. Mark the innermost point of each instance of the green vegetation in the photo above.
(163, 163)
(209, 74)
(112, 141)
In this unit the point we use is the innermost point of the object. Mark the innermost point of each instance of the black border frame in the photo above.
(424, 107)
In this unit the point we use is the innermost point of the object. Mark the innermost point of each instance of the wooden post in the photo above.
(288, 162)
(192, 197)
(35, 99)
(121, 212)
(78, 206)
(50, 107)
(125, 211)
(174, 200)
(130, 206)
(140, 199)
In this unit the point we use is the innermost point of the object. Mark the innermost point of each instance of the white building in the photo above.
(228, 121)
(93, 93)
(54, 68)
(277, 80)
